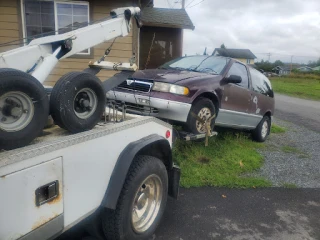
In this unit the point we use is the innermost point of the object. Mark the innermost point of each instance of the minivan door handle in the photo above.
(47, 193)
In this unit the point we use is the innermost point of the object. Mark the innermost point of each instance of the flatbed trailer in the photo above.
(122, 169)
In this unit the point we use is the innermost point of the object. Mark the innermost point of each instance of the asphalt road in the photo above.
(274, 213)
(233, 214)
(299, 111)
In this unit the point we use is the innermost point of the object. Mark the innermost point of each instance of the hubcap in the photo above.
(204, 114)
(16, 111)
(146, 204)
(85, 103)
(265, 128)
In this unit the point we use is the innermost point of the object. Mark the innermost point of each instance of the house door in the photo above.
(159, 45)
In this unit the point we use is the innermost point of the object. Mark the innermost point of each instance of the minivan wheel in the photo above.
(203, 108)
(262, 131)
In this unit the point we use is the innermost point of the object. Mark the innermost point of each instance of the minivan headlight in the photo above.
(167, 87)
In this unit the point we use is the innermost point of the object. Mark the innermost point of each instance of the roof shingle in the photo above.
(165, 17)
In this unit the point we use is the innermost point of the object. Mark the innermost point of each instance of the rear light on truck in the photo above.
(168, 134)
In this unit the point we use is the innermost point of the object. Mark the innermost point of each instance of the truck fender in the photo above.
(153, 145)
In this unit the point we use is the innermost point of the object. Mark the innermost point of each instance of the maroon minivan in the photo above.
(241, 96)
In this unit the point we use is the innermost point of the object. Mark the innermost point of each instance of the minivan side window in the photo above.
(260, 83)
(240, 70)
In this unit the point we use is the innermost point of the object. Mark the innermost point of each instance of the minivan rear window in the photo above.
(260, 83)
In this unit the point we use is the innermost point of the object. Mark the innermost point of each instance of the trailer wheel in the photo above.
(141, 203)
(77, 101)
(24, 108)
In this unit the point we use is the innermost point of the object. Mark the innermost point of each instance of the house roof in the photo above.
(305, 67)
(166, 17)
(316, 68)
(283, 68)
(234, 53)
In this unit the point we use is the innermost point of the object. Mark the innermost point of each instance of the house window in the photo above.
(43, 18)
(248, 61)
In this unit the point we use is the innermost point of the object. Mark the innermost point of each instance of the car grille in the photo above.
(135, 85)
(137, 108)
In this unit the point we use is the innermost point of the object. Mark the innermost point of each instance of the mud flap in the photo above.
(174, 182)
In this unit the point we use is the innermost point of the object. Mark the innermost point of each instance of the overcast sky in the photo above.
(280, 27)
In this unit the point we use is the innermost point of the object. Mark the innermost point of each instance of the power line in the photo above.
(196, 4)
(288, 55)
(169, 3)
(190, 3)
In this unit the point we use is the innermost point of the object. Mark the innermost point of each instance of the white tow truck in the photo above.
(119, 172)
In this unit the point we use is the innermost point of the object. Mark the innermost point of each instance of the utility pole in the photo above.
(183, 3)
(268, 54)
(291, 64)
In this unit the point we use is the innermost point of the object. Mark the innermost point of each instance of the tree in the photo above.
(223, 46)
(278, 63)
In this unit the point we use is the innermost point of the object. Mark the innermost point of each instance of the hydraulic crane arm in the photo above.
(41, 55)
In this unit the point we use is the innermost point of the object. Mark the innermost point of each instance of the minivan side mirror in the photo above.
(233, 79)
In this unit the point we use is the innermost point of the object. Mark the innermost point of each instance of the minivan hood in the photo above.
(168, 75)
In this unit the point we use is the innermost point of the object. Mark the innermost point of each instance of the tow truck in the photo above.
(115, 172)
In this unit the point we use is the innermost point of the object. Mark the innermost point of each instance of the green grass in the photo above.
(222, 164)
(277, 129)
(289, 185)
(298, 87)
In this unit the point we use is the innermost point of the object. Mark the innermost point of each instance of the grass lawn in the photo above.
(297, 87)
(222, 164)
(277, 129)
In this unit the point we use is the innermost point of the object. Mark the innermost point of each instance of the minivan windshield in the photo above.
(201, 63)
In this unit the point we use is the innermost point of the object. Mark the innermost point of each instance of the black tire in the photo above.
(63, 96)
(12, 80)
(257, 134)
(199, 104)
(117, 224)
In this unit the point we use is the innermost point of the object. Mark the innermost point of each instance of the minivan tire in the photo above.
(196, 107)
(262, 131)
(119, 224)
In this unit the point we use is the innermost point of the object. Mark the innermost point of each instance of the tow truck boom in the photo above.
(41, 55)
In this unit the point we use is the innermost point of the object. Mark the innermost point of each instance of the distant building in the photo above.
(282, 70)
(242, 55)
(304, 69)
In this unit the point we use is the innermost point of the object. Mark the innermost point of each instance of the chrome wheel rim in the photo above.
(146, 204)
(85, 103)
(204, 114)
(16, 111)
(265, 128)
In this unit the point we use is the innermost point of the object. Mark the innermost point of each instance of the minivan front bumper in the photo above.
(150, 106)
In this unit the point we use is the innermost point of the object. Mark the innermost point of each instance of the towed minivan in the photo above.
(239, 95)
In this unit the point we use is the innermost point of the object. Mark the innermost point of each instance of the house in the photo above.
(304, 69)
(316, 68)
(282, 70)
(158, 41)
(242, 55)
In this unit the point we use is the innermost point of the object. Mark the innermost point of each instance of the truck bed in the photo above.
(55, 138)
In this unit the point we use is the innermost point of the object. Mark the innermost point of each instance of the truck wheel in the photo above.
(262, 131)
(77, 101)
(24, 108)
(141, 203)
(203, 108)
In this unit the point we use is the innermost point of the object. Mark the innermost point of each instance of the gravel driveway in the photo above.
(292, 158)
